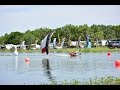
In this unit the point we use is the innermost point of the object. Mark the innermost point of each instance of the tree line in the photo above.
(69, 32)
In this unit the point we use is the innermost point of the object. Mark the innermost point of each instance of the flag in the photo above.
(45, 42)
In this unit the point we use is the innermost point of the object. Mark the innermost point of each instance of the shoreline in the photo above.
(67, 50)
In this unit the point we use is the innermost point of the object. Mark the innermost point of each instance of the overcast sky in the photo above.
(29, 17)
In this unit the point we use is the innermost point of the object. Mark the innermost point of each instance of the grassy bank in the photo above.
(66, 50)
(97, 49)
(97, 81)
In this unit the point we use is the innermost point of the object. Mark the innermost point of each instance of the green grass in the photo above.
(97, 81)
(98, 49)
(66, 50)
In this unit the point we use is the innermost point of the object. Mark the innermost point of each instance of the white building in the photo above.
(8, 46)
(75, 43)
(102, 42)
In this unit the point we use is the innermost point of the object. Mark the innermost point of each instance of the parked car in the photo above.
(114, 44)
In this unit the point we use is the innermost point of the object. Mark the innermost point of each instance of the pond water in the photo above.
(42, 68)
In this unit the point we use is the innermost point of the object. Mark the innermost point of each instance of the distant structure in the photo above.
(88, 41)
(35, 46)
(15, 52)
(102, 42)
(63, 41)
(58, 47)
(79, 43)
(8, 46)
(54, 43)
(22, 45)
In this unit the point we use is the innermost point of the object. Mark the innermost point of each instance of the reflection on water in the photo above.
(16, 62)
(21, 65)
(47, 69)
(57, 67)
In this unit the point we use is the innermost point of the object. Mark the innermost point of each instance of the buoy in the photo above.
(27, 59)
(117, 63)
(109, 54)
(27, 62)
